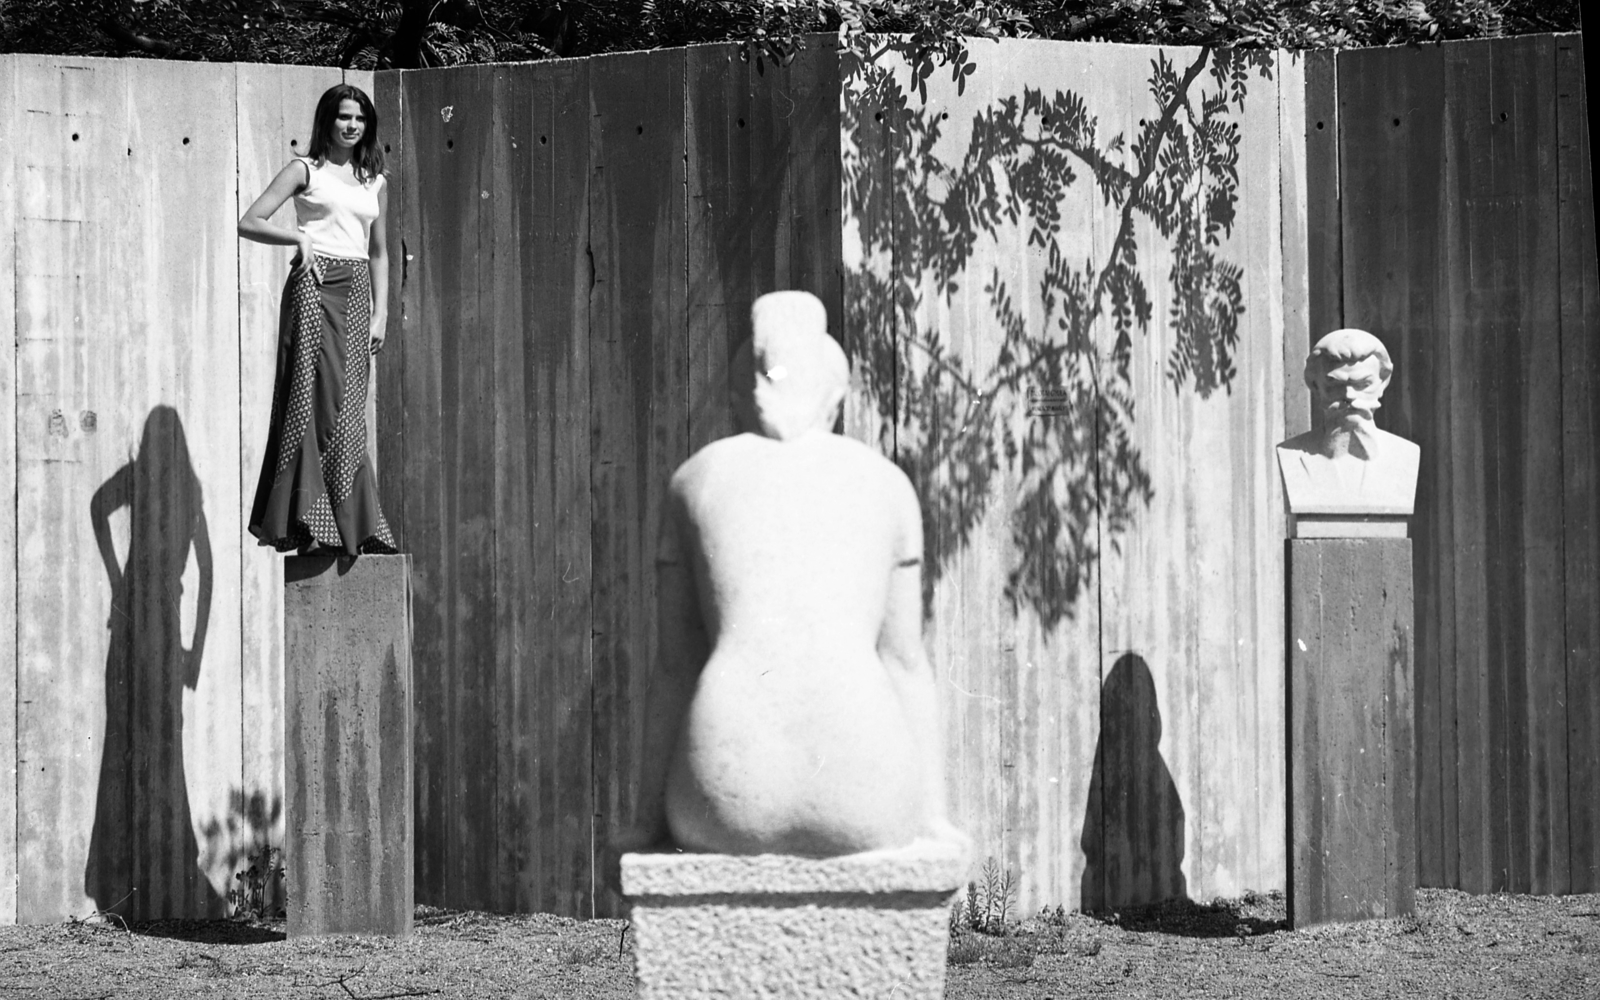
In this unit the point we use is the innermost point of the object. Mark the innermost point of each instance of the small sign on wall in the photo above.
(1049, 401)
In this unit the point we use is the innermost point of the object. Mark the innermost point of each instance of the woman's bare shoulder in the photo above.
(298, 170)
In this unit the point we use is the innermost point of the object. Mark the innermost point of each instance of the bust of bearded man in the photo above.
(1347, 465)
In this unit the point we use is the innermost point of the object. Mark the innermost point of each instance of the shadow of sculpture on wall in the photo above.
(1080, 477)
(143, 856)
(1133, 847)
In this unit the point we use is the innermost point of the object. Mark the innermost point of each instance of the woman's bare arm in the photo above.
(256, 224)
(378, 254)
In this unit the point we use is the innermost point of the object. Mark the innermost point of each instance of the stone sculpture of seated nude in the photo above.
(791, 707)
(1347, 464)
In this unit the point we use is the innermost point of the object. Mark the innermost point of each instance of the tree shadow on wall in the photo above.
(241, 844)
(142, 850)
(1081, 477)
(1133, 828)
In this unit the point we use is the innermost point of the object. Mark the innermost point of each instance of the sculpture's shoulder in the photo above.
(852, 450)
(873, 466)
(722, 453)
(830, 457)
(1403, 450)
(1310, 441)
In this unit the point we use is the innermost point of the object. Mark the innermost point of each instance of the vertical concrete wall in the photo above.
(8, 489)
(1078, 354)
(1069, 276)
(1091, 427)
(583, 241)
(1465, 234)
(127, 487)
(140, 625)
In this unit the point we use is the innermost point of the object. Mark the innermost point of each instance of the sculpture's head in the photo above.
(1347, 372)
(790, 377)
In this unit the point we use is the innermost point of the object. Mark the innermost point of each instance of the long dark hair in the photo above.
(367, 157)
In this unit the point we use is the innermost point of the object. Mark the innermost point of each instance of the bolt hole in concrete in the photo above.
(639, 130)
(186, 140)
(543, 140)
(449, 144)
(1503, 116)
(74, 137)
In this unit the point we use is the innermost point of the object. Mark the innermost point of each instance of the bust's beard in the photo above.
(1357, 429)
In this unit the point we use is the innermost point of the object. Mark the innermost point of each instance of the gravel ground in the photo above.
(1457, 946)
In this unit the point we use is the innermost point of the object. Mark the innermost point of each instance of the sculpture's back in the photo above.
(792, 725)
(796, 739)
(810, 728)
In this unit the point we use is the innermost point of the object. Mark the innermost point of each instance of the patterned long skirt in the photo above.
(317, 483)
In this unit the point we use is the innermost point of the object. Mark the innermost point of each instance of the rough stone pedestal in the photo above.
(1352, 814)
(347, 708)
(864, 925)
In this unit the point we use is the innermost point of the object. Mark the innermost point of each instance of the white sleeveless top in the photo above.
(338, 216)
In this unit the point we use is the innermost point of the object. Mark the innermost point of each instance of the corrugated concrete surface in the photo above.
(1352, 746)
(347, 733)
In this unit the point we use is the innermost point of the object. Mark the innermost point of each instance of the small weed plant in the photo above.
(978, 922)
(989, 901)
(260, 894)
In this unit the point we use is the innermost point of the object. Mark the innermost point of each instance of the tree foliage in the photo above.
(415, 33)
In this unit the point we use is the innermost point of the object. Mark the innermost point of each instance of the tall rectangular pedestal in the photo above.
(347, 708)
(1352, 810)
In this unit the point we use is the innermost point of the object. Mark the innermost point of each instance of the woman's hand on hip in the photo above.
(305, 259)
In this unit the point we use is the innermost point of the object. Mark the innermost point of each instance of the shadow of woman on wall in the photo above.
(1133, 843)
(142, 850)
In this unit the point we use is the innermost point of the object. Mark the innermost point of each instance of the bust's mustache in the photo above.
(1364, 407)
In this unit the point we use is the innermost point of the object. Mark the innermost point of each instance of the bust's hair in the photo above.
(1347, 347)
(789, 343)
(794, 325)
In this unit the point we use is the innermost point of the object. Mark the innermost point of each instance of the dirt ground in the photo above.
(1457, 946)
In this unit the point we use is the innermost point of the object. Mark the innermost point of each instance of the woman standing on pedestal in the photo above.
(317, 492)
